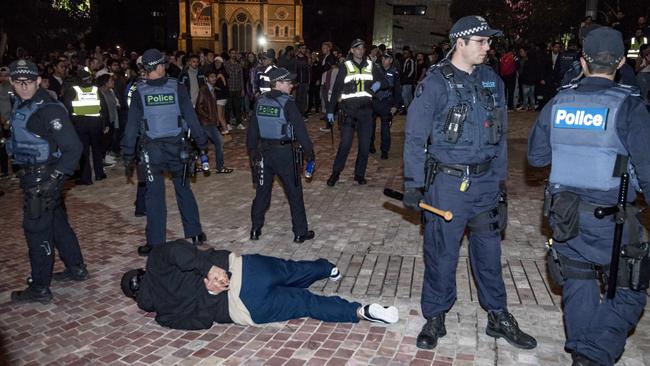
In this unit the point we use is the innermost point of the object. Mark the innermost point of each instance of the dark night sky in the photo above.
(339, 21)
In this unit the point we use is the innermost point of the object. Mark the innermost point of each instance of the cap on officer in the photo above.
(472, 25)
(603, 46)
(357, 43)
(281, 74)
(23, 69)
(387, 54)
(151, 58)
(84, 74)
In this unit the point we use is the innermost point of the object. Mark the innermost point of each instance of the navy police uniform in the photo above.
(354, 86)
(386, 98)
(276, 123)
(160, 113)
(585, 132)
(456, 127)
(45, 146)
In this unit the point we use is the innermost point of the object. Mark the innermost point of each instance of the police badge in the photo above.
(56, 124)
(419, 90)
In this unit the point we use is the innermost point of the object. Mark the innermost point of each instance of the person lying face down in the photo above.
(190, 289)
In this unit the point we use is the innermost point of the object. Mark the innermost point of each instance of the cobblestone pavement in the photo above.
(375, 241)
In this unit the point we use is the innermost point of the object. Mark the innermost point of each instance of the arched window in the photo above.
(286, 31)
(242, 33)
(224, 37)
(277, 31)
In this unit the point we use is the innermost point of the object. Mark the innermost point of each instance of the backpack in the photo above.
(507, 64)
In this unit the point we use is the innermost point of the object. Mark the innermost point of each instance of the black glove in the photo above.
(412, 198)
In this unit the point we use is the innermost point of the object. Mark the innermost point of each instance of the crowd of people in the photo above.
(139, 108)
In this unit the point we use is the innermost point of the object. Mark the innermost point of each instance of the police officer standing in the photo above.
(83, 103)
(591, 133)
(44, 144)
(160, 112)
(276, 123)
(385, 103)
(458, 114)
(357, 79)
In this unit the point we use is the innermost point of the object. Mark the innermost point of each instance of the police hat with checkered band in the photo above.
(472, 25)
(23, 69)
(151, 58)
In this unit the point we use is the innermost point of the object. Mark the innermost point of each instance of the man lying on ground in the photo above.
(189, 288)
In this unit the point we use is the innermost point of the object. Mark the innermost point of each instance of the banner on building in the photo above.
(201, 18)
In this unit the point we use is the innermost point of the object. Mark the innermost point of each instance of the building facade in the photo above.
(415, 23)
(245, 25)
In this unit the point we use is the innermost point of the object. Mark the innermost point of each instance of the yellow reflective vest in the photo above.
(86, 103)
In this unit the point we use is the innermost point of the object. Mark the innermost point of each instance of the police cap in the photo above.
(280, 74)
(130, 282)
(472, 25)
(152, 57)
(388, 54)
(603, 46)
(23, 69)
(357, 42)
(84, 74)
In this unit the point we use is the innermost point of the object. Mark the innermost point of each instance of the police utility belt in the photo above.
(268, 143)
(464, 171)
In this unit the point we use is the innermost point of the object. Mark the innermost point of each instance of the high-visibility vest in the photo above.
(633, 52)
(357, 81)
(86, 103)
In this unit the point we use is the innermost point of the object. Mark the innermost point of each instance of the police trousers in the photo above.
(46, 230)
(381, 109)
(165, 156)
(89, 130)
(276, 290)
(278, 161)
(442, 244)
(597, 327)
(360, 120)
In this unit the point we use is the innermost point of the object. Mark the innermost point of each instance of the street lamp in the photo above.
(261, 41)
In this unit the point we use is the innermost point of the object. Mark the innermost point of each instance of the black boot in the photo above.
(431, 331)
(78, 273)
(384, 155)
(361, 180)
(301, 238)
(32, 294)
(503, 324)
(331, 181)
(372, 149)
(199, 239)
(144, 250)
(256, 233)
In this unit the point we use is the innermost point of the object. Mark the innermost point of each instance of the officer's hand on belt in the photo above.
(412, 198)
(375, 86)
(330, 117)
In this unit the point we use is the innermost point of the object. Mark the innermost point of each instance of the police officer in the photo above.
(276, 123)
(83, 103)
(458, 114)
(385, 103)
(587, 132)
(357, 80)
(160, 112)
(46, 147)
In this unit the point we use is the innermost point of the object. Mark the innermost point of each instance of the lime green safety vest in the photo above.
(357, 81)
(86, 103)
(635, 46)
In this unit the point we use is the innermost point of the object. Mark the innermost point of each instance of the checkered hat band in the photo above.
(26, 72)
(469, 32)
(156, 62)
(281, 76)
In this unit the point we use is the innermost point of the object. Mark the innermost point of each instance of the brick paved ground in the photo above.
(373, 239)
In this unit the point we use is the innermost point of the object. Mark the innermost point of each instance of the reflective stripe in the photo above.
(357, 77)
(356, 95)
(633, 52)
(86, 102)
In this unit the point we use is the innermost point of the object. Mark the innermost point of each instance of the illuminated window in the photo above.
(409, 10)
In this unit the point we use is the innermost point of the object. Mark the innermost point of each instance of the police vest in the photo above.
(473, 145)
(584, 139)
(633, 52)
(271, 121)
(357, 81)
(27, 147)
(160, 109)
(86, 103)
(390, 75)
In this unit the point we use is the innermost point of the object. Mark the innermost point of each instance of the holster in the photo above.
(564, 216)
(488, 221)
(635, 269)
(561, 268)
(430, 171)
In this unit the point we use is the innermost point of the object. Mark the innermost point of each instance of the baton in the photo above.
(447, 215)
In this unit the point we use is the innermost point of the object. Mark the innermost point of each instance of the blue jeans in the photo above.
(529, 95)
(407, 94)
(275, 290)
(217, 140)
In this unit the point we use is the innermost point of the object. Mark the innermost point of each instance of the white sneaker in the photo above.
(379, 314)
(109, 159)
(335, 275)
(241, 127)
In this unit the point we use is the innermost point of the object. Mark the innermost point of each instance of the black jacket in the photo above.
(173, 286)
